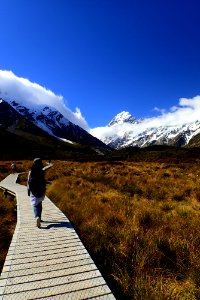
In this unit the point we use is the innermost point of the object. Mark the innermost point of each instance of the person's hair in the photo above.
(36, 166)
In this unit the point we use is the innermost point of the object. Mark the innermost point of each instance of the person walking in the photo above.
(36, 186)
(13, 168)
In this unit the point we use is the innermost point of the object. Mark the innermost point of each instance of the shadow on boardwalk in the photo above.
(56, 225)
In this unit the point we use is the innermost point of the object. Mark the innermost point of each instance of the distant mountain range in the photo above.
(187, 134)
(45, 127)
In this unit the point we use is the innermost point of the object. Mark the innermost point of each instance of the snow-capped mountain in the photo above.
(123, 117)
(50, 121)
(128, 131)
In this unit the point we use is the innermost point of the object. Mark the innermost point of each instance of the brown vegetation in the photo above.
(8, 216)
(7, 225)
(138, 220)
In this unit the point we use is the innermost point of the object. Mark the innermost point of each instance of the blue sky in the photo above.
(105, 56)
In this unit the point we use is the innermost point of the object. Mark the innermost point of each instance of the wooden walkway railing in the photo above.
(50, 262)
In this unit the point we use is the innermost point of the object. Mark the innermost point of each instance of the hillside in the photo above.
(194, 142)
(14, 146)
(22, 139)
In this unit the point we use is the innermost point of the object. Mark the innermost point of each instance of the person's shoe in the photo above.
(38, 222)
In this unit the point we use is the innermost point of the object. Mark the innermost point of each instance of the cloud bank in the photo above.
(187, 111)
(28, 94)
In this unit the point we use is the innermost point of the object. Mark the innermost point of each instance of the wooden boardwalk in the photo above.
(50, 262)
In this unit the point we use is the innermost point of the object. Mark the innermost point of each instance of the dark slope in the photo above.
(20, 139)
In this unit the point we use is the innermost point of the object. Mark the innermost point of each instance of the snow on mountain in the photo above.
(30, 94)
(123, 117)
(125, 130)
(48, 119)
(54, 123)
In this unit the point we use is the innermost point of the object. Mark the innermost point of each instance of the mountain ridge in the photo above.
(22, 138)
(127, 130)
(55, 124)
(125, 133)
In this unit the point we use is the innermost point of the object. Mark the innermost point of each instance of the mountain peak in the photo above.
(122, 117)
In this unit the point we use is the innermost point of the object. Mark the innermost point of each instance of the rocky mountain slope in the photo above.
(48, 120)
(127, 131)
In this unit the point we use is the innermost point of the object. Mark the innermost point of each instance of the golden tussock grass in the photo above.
(8, 211)
(138, 220)
(7, 224)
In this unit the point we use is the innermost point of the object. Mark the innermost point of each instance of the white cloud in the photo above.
(161, 110)
(28, 93)
(187, 111)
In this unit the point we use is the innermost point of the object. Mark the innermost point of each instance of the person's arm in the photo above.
(47, 167)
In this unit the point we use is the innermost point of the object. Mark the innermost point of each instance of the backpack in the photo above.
(37, 185)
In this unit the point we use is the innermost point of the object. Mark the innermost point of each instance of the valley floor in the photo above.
(139, 221)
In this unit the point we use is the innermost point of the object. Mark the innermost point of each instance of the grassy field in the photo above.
(139, 221)
(7, 224)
